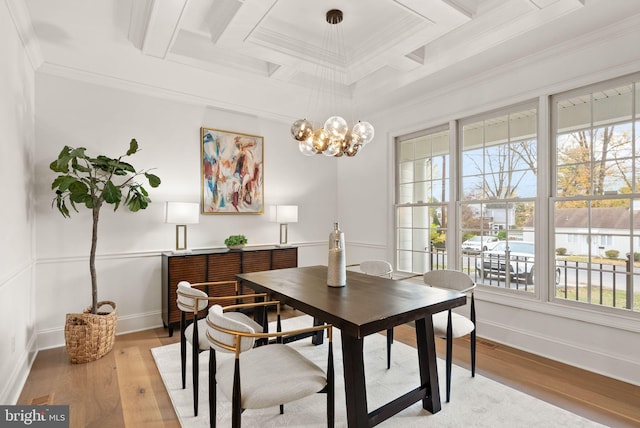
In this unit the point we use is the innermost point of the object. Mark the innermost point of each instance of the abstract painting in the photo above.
(232, 172)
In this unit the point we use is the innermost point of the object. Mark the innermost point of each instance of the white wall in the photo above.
(103, 120)
(17, 309)
(608, 344)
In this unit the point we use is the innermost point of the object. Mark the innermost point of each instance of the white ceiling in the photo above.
(264, 56)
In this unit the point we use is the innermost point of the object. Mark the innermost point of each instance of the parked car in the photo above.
(479, 243)
(520, 263)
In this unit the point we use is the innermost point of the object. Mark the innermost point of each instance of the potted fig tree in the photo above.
(91, 182)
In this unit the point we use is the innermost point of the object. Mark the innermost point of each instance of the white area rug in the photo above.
(475, 402)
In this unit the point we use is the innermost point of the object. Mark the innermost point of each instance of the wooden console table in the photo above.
(218, 264)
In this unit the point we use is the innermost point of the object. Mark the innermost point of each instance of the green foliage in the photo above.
(437, 237)
(561, 251)
(467, 236)
(436, 220)
(612, 254)
(92, 181)
(502, 235)
(636, 257)
(235, 240)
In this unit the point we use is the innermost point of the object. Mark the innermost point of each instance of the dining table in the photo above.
(365, 305)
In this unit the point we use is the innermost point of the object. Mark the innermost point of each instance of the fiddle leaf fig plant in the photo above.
(92, 181)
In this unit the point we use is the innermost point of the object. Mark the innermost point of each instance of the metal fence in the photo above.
(613, 284)
(607, 284)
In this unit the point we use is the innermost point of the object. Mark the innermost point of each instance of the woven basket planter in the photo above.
(88, 336)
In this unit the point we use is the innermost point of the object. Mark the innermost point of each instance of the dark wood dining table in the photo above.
(364, 306)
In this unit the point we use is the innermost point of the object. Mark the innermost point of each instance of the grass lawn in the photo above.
(595, 260)
(607, 296)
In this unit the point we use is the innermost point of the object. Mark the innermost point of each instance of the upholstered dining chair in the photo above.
(379, 268)
(264, 376)
(449, 325)
(191, 300)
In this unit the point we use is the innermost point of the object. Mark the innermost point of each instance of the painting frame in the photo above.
(231, 171)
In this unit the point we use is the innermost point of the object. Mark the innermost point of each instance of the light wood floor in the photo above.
(124, 388)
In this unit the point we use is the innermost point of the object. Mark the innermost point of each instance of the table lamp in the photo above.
(283, 214)
(181, 214)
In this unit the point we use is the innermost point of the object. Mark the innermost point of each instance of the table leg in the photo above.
(354, 382)
(261, 316)
(318, 338)
(428, 364)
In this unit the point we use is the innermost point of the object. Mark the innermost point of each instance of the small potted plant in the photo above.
(235, 242)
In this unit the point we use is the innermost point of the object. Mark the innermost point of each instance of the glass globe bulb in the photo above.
(354, 139)
(353, 150)
(306, 147)
(336, 127)
(320, 140)
(301, 129)
(347, 142)
(334, 147)
(365, 132)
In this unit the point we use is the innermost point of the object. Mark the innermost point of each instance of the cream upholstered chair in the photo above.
(263, 376)
(449, 325)
(191, 300)
(379, 268)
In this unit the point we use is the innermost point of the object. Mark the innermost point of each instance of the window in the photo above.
(587, 203)
(422, 194)
(606, 240)
(497, 195)
(597, 192)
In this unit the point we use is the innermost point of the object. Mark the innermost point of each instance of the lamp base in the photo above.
(184, 251)
(283, 236)
(181, 237)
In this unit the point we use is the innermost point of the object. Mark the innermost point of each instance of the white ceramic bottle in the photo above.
(337, 265)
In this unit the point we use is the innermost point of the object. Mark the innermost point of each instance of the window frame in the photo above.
(398, 205)
(595, 237)
(541, 263)
(543, 300)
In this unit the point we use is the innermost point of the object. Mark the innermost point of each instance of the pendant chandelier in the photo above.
(333, 138)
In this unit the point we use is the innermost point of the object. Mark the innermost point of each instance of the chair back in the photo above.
(223, 332)
(376, 268)
(449, 279)
(187, 297)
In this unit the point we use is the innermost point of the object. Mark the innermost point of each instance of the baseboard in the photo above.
(13, 386)
(139, 322)
(54, 337)
(610, 365)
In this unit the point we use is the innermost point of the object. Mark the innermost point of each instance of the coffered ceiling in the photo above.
(264, 56)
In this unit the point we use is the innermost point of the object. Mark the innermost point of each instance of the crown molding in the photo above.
(603, 36)
(156, 91)
(22, 20)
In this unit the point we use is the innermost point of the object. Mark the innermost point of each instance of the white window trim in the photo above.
(561, 308)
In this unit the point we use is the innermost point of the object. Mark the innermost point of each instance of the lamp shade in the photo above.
(183, 213)
(283, 214)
